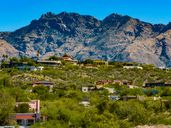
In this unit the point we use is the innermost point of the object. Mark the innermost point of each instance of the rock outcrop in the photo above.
(7, 50)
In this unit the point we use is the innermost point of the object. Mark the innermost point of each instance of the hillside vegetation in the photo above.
(62, 106)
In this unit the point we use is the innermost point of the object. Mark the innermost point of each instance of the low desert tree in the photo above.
(6, 108)
(22, 108)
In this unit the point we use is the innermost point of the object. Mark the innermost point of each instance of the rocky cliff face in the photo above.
(7, 49)
(116, 38)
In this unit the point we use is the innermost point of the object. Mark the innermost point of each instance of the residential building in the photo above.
(100, 62)
(126, 98)
(69, 59)
(88, 88)
(110, 90)
(66, 57)
(40, 68)
(33, 68)
(85, 102)
(27, 119)
(157, 84)
(132, 86)
(49, 62)
(113, 97)
(133, 67)
(33, 104)
(48, 84)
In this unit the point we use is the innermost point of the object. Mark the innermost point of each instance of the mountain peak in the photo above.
(47, 15)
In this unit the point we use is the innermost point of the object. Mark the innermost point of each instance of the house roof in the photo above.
(43, 82)
(25, 116)
(65, 55)
(49, 62)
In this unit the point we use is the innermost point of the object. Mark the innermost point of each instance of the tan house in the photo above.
(49, 62)
(69, 59)
(100, 62)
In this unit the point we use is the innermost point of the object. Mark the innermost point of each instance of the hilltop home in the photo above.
(26, 119)
(33, 104)
(49, 62)
(159, 84)
(113, 97)
(33, 68)
(20, 66)
(69, 59)
(101, 83)
(85, 102)
(110, 90)
(132, 86)
(100, 62)
(126, 98)
(48, 84)
(87, 89)
(132, 67)
(91, 66)
(39, 68)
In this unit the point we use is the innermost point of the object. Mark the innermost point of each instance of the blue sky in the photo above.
(18, 13)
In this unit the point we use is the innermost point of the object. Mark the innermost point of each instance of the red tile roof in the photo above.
(25, 116)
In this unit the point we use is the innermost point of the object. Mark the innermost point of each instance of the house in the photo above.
(132, 86)
(133, 67)
(156, 98)
(163, 68)
(49, 62)
(87, 89)
(90, 66)
(26, 119)
(44, 83)
(159, 84)
(40, 68)
(110, 90)
(69, 59)
(66, 57)
(126, 98)
(33, 104)
(33, 68)
(100, 62)
(126, 82)
(84, 89)
(101, 83)
(85, 102)
(113, 97)
(119, 82)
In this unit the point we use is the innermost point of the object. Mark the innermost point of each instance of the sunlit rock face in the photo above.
(7, 50)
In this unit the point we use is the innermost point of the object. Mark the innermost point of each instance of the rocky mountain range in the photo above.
(116, 38)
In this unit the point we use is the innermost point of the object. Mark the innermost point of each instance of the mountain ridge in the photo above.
(115, 38)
